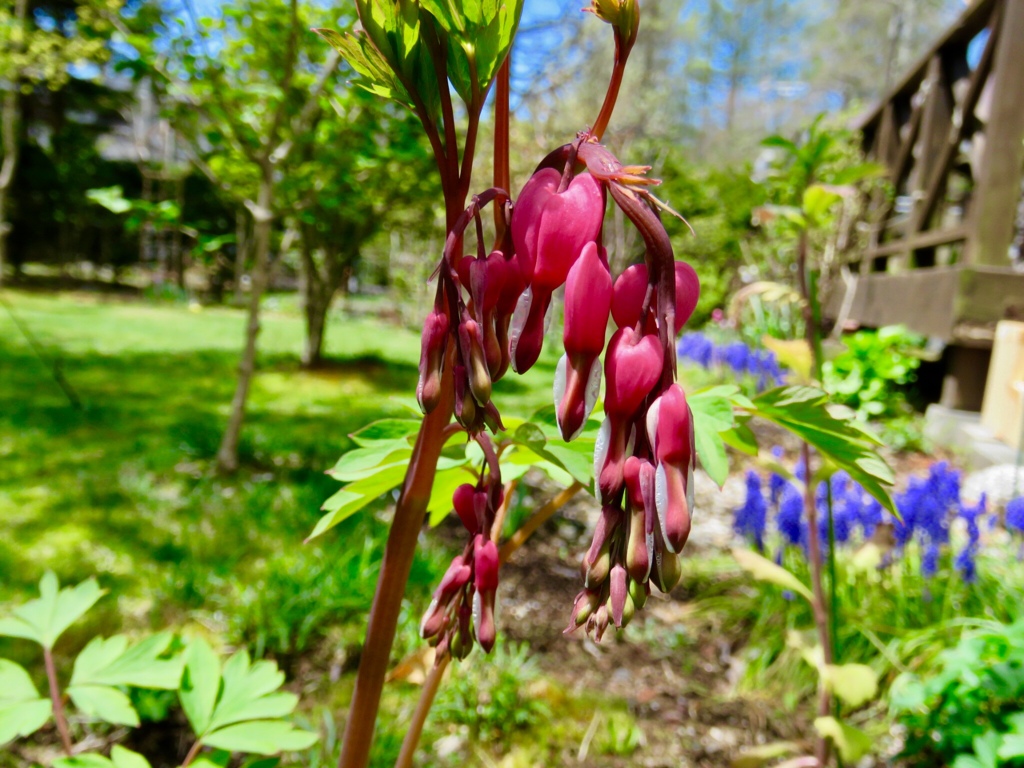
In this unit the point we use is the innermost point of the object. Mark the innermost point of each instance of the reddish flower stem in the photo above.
(394, 573)
(419, 716)
(58, 703)
(612, 94)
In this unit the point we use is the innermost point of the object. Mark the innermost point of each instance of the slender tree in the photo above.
(249, 83)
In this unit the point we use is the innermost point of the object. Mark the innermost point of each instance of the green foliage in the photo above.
(237, 707)
(490, 696)
(22, 710)
(806, 412)
(964, 709)
(44, 619)
(873, 371)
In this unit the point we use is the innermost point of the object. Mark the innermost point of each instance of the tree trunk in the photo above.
(227, 455)
(316, 318)
(10, 123)
(177, 250)
(241, 252)
(317, 289)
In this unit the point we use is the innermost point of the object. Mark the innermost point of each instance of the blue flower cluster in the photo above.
(736, 356)
(928, 508)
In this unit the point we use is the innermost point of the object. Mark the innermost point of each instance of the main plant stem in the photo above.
(58, 703)
(398, 555)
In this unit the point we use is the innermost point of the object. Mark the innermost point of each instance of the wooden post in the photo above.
(999, 184)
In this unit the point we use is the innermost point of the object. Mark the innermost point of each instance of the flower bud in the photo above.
(526, 331)
(666, 572)
(670, 432)
(435, 337)
(454, 579)
(483, 618)
(583, 607)
(463, 502)
(638, 592)
(485, 562)
(623, 15)
(471, 343)
(597, 562)
(618, 594)
(588, 291)
(466, 412)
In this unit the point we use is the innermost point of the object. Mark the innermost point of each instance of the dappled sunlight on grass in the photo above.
(123, 488)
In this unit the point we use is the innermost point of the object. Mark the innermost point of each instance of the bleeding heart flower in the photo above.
(588, 293)
(631, 288)
(670, 432)
(549, 230)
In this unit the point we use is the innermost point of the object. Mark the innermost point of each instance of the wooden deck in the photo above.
(935, 254)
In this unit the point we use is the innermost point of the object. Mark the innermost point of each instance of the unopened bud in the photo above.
(486, 629)
(623, 15)
(618, 593)
(471, 343)
(666, 572)
(638, 593)
(462, 501)
(434, 339)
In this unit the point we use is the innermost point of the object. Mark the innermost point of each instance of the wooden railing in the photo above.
(950, 134)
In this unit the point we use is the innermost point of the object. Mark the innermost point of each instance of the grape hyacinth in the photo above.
(751, 518)
(928, 506)
(736, 356)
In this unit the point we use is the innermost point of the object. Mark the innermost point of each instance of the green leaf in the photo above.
(741, 438)
(125, 758)
(22, 710)
(361, 463)
(576, 458)
(262, 737)
(104, 703)
(715, 405)
(111, 198)
(86, 760)
(763, 569)
(806, 412)
(112, 662)
(354, 496)
(44, 619)
(200, 684)
(855, 684)
(1012, 746)
(237, 708)
(818, 201)
(365, 59)
(851, 742)
(248, 692)
(386, 429)
(753, 757)
(780, 142)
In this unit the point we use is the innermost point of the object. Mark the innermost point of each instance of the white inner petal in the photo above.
(604, 438)
(515, 329)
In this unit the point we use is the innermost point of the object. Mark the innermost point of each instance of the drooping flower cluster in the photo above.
(490, 314)
(928, 507)
(742, 360)
(462, 609)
